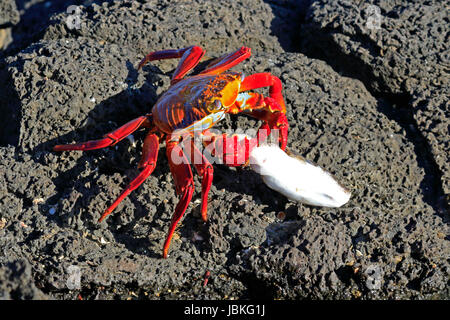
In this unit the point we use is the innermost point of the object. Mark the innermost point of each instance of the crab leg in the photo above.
(204, 169)
(190, 57)
(147, 164)
(184, 184)
(227, 61)
(109, 139)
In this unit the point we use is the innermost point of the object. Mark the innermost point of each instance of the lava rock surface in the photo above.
(348, 109)
(399, 49)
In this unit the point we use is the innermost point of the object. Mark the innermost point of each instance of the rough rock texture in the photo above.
(344, 129)
(28, 19)
(155, 25)
(389, 241)
(9, 16)
(17, 282)
(8, 13)
(398, 49)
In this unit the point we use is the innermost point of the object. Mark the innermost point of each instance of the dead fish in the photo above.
(297, 178)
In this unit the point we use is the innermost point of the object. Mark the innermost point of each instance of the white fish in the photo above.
(297, 178)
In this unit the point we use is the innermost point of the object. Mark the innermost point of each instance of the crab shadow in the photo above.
(79, 184)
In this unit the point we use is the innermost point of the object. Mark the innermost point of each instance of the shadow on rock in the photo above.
(289, 15)
(433, 194)
(35, 17)
(394, 106)
(11, 106)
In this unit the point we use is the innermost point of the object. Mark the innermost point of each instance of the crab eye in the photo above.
(217, 104)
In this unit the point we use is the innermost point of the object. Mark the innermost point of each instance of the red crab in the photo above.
(190, 107)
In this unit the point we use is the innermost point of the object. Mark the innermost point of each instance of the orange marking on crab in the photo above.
(190, 106)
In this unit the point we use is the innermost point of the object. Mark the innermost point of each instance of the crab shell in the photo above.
(200, 98)
(297, 178)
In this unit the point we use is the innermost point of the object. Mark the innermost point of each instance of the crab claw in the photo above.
(271, 112)
(278, 126)
(297, 178)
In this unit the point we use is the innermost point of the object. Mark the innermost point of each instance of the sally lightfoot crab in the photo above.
(191, 106)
